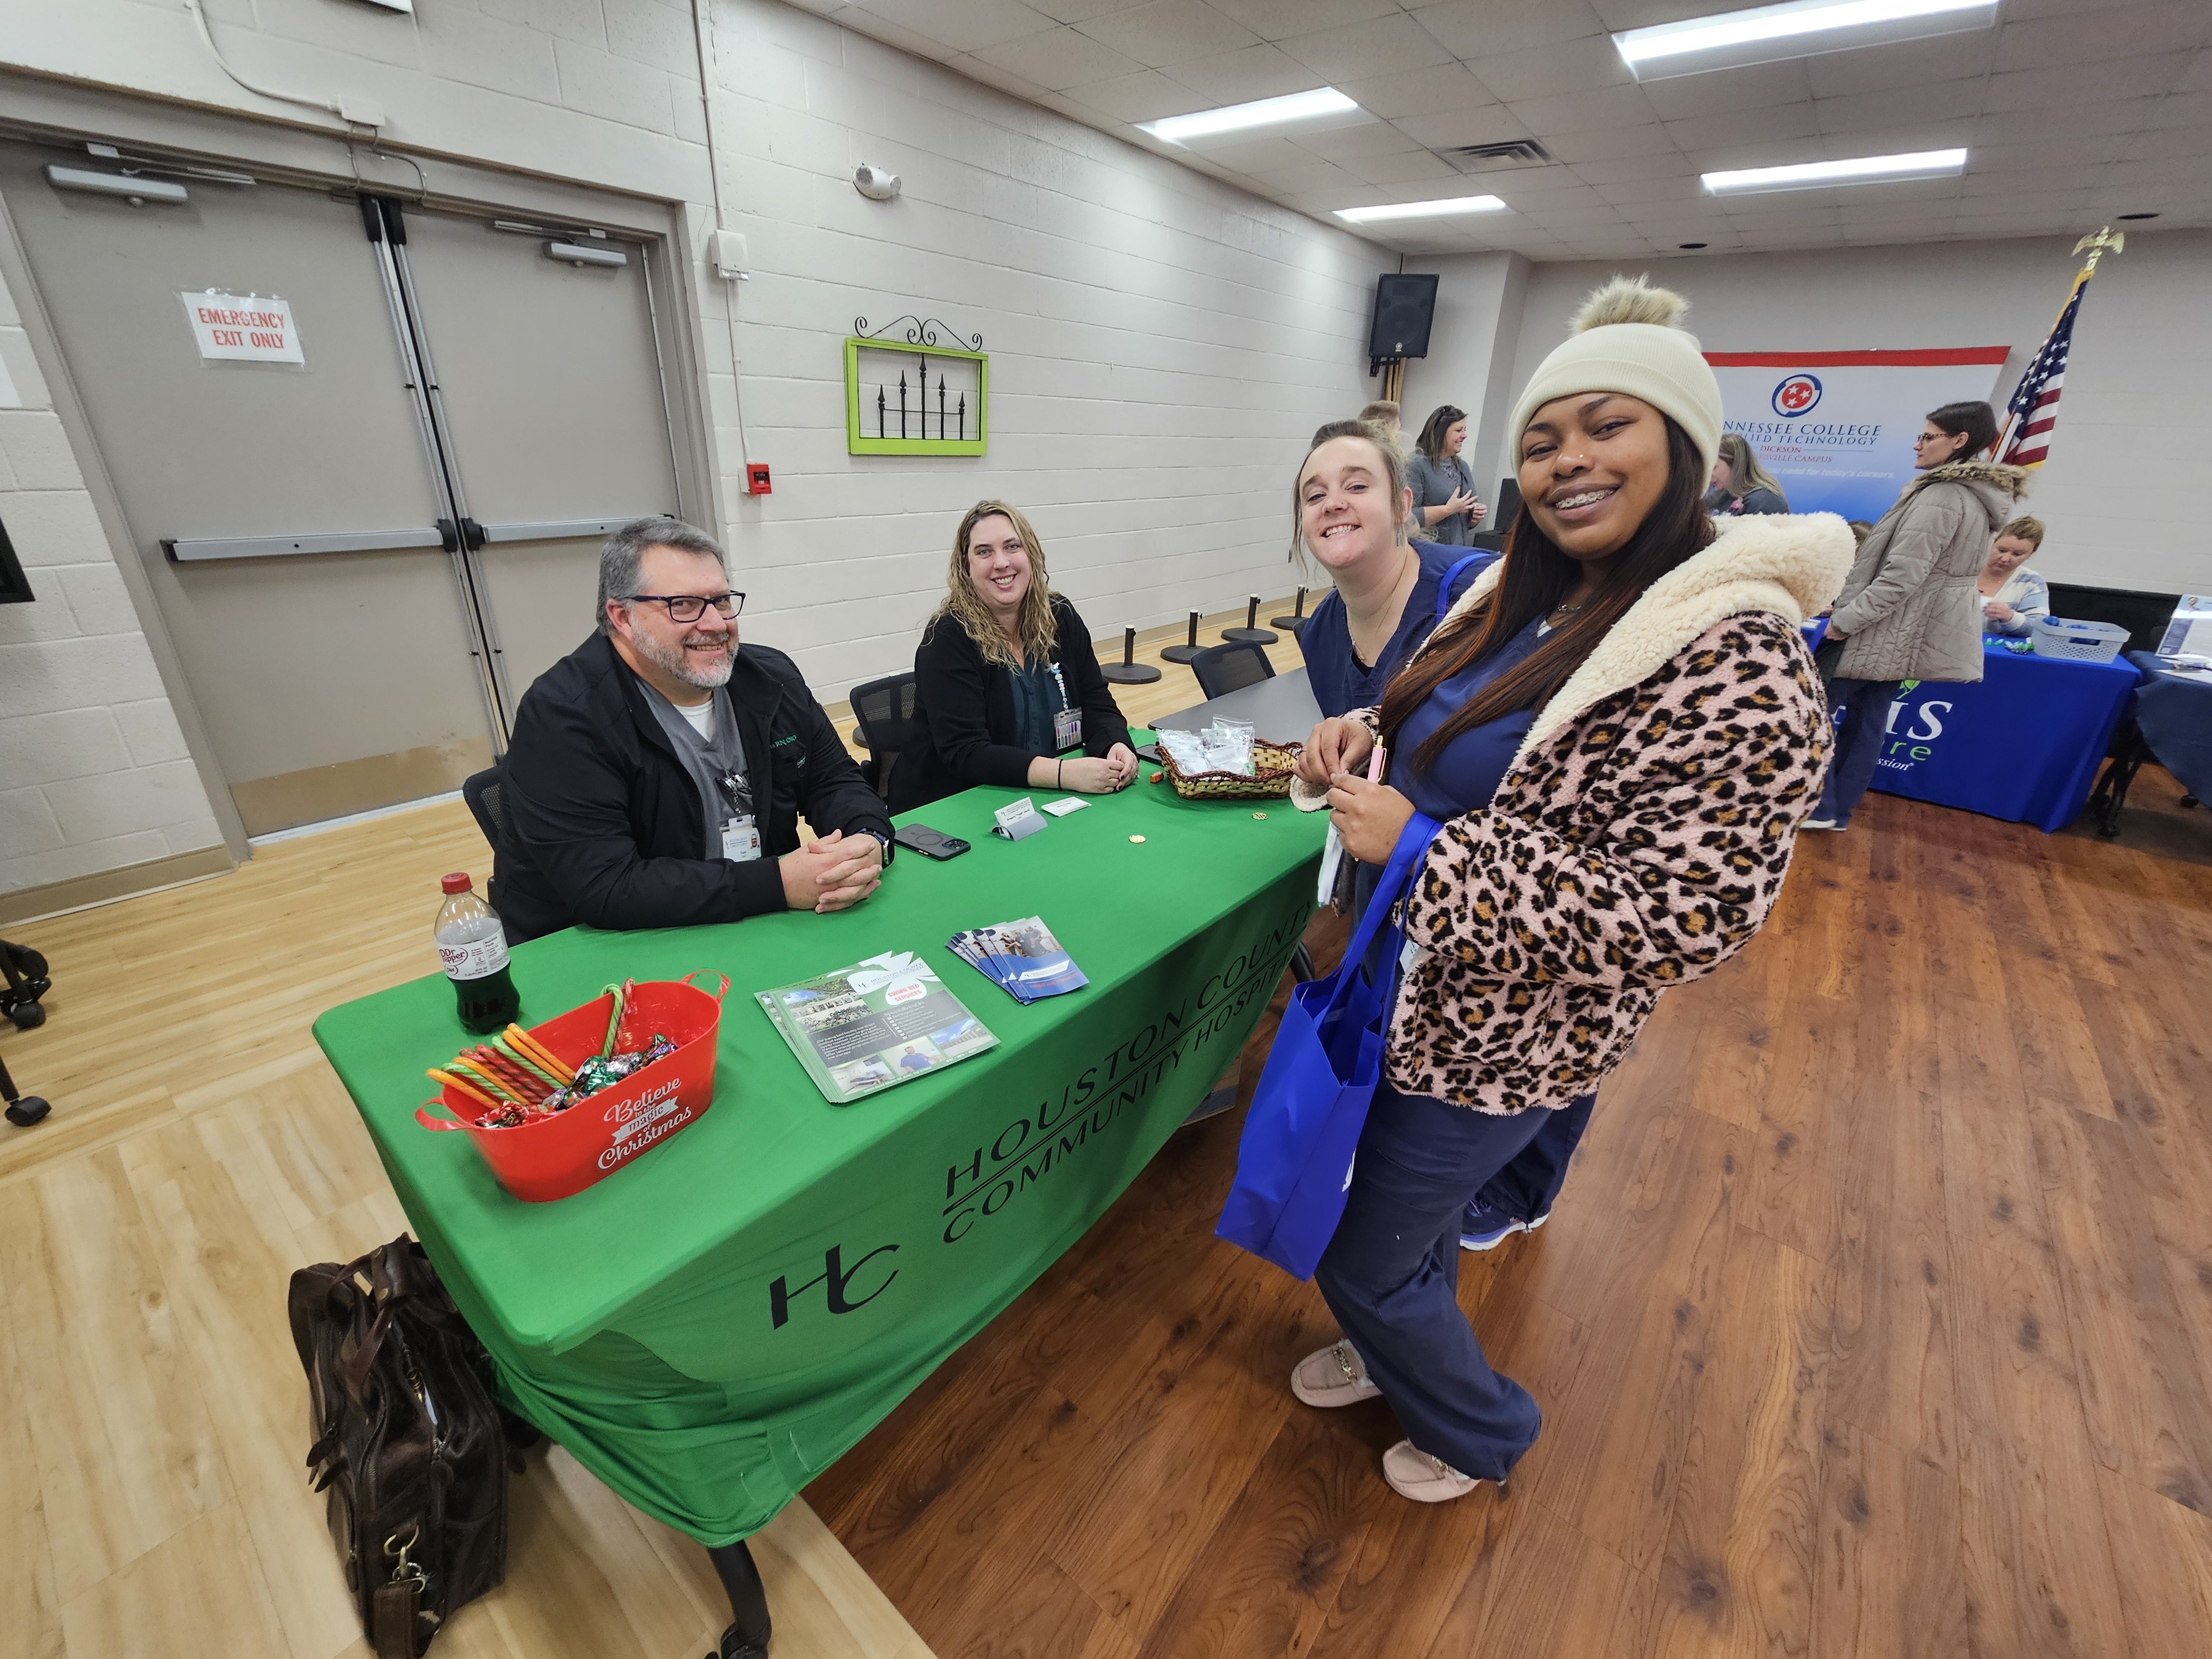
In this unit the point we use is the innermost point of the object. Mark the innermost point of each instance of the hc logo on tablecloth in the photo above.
(1796, 395)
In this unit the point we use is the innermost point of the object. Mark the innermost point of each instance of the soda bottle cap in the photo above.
(456, 883)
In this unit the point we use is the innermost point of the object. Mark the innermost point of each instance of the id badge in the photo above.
(741, 842)
(1067, 728)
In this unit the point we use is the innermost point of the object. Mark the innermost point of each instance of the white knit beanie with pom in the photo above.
(1628, 337)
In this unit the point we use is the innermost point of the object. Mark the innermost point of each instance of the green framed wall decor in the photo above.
(916, 399)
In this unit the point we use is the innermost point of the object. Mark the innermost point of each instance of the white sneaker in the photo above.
(1333, 1375)
(1820, 823)
(1425, 1479)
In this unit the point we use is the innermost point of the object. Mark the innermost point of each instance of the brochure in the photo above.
(1021, 957)
(875, 1024)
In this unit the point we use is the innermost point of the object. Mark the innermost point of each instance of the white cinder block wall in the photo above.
(94, 772)
(1161, 344)
(2125, 509)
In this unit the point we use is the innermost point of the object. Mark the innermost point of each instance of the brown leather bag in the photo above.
(409, 1444)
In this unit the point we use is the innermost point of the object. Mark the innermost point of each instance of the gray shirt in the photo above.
(717, 765)
(1434, 483)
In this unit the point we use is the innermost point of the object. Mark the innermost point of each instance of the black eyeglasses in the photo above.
(689, 607)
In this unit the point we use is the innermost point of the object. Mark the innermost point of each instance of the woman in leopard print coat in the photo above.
(1608, 746)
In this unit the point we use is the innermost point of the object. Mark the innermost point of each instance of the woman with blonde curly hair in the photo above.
(1007, 690)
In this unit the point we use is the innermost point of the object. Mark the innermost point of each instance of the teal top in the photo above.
(1037, 700)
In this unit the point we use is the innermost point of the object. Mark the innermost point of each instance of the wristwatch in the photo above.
(884, 841)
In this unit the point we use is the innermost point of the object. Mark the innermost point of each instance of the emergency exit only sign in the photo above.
(252, 330)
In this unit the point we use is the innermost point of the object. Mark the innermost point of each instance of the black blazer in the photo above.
(964, 711)
(604, 826)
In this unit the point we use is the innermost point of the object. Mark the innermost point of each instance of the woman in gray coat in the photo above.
(1909, 610)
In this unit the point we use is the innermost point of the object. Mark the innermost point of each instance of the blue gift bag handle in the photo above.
(1412, 843)
(1444, 587)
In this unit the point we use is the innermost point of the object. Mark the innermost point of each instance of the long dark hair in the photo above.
(1534, 577)
(1431, 443)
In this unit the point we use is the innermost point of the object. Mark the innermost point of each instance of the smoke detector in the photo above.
(874, 183)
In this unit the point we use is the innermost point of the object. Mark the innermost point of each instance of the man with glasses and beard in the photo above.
(658, 772)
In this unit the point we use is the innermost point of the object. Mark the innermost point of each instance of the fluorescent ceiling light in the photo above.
(1368, 215)
(1800, 28)
(1860, 170)
(1236, 118)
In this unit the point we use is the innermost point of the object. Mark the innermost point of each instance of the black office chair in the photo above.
(1222, 669)
(486, 793)
(884, 712)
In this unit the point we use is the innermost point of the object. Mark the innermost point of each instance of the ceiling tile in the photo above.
(2121, 32)
(1540, 72)
(1755, 126)
(1438, 90)
(1530, 193)
(1865, 112)
(1661, 192)
(1403, 168)
(1585, 111)
(1145, 96)
(1314, 175)
(1493, 124)
(1349, 143)
(1763, 153)
(992, 75)
(2174, 144)
(2090, 83)
(1486, 28)
(1059, 59)
(1722, 92)
(1246, 74)
(1079, 11)
(2050, 177)
(1909, 64)
(1391, 45)
(2030, 126)
(1902, 140)
(1277, 20)
(2198, 76)
(1629, 169)
(963, 25)
(1169, 32)
(2182, 109)
(1613, 141)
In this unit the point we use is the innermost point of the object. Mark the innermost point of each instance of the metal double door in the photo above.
(365, 558)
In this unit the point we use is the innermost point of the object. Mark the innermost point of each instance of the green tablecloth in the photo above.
(711, 1326)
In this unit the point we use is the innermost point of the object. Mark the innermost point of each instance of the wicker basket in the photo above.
(1273, 764)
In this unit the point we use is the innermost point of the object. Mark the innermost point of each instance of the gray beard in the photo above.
(676, 660)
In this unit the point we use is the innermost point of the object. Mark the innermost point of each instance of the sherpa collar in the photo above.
(1792, 566)
(2012, 480)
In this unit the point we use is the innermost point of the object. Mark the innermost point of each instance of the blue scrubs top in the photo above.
(1467, 774)
(1340, 682)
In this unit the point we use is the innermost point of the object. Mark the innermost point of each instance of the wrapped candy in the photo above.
(517, 1080)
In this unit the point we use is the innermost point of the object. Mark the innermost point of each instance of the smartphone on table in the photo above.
(930, 843)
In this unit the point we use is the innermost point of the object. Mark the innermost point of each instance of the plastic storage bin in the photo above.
(2082, 641)
(563, 1154)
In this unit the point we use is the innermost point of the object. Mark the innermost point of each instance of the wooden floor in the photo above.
(1876, 1319)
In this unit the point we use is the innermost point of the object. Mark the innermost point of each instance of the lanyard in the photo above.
(1062, 685)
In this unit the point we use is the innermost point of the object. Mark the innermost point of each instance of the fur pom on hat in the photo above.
(1628, 337)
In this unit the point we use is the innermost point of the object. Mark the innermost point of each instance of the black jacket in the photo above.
(604, 826)
(964, 711)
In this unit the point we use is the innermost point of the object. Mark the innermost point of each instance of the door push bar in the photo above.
(469, 534)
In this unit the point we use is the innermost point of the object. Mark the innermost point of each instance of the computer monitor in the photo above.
(2143, 615)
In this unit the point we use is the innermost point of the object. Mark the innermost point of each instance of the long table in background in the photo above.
(2024, 744)
(712, 1324)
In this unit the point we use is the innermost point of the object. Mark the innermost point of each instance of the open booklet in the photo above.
(1021, 957)
(875, 1024)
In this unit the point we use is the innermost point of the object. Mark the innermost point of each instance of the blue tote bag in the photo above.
(1294, 1163)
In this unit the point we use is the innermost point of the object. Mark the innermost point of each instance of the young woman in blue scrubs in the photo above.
(1388, 590)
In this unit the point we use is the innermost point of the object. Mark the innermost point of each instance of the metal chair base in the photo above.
(1250, 637)
(1129, 673)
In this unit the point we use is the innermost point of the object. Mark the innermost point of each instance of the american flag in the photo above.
(2034, 409)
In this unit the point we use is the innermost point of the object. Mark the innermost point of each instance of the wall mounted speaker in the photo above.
(1404, 305)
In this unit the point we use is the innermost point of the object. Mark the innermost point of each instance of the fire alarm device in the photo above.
(756, 481)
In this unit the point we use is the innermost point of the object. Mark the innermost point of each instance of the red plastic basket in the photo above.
(566, 1154)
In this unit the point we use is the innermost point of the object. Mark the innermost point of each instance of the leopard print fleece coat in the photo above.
(1639, 837)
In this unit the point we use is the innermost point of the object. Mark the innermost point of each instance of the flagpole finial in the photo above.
(2107, 240)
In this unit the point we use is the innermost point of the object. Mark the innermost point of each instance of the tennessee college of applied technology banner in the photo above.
(1836, 428)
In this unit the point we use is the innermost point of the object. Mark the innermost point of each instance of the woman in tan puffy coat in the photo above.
(1909, 610)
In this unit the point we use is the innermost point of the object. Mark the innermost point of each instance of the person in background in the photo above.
(1910, 610)
(1350, 511)
(2012, 594)
(1386, 415)
(1005, 680)
(1741, 485)
(1444, 506)
(1612, 740)
(658, 771)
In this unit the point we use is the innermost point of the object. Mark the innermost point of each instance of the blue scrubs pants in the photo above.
(1391, 1277)
(1528, 1187)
